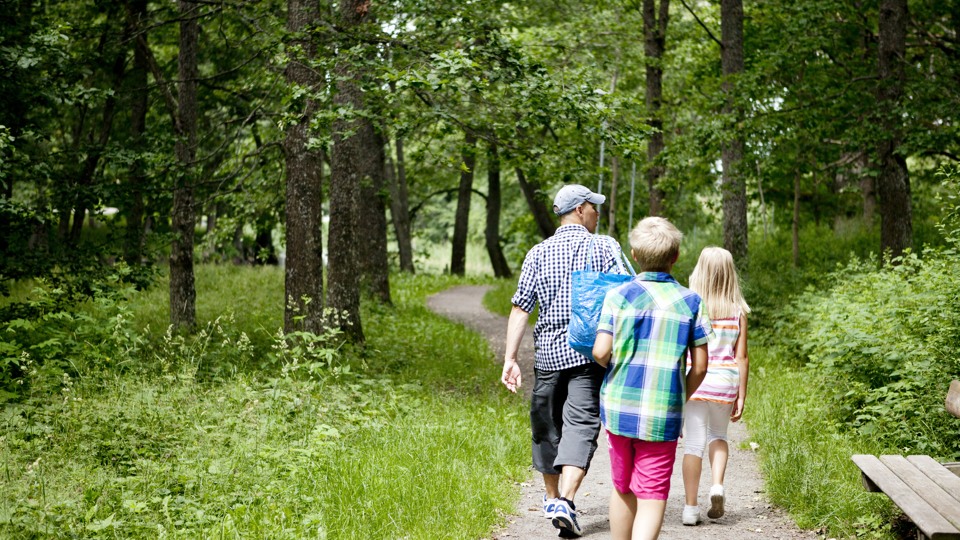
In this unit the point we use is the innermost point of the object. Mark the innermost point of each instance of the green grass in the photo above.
(415, 440)
(253, 296)
(805, 459)
(497, 299)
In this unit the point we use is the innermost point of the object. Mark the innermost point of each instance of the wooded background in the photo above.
(348, 137)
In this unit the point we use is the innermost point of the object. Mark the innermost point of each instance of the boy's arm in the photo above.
(698, 369)
(602, 348)
(516, 325)
(743, 363)
(603, 344)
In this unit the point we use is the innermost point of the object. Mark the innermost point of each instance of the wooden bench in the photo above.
(928, 492)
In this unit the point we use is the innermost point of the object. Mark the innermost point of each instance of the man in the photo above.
(564, 409)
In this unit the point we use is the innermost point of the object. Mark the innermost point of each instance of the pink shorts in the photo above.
(641, 467)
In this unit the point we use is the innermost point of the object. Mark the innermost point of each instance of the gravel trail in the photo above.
(748, 514)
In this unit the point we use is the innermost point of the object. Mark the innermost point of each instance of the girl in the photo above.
(720, 397)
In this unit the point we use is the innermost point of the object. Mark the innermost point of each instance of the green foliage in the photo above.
(412, 437)
(859, 362)
(68, 325)
(805, 460)
(890, 335)
(772, 277)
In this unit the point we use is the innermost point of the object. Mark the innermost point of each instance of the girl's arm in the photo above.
(743, 363)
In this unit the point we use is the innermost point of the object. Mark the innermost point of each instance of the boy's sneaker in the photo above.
(549, 506)
(565, 519)
(716, 502)
(691, 515)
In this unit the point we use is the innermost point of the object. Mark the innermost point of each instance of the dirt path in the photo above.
(748, 516)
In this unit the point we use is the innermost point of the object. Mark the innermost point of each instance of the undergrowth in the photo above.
(230, 432)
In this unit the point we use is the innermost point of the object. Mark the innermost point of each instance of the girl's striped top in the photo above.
(722, 382)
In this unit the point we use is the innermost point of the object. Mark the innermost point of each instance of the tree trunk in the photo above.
(763, 204)
(734, 188)
(136, 181)
(796, 220)
(492, 232)
(612, 202)
(374, 263)
(303, 267)
(458, 257)
(343, 285)
(655, 36)
(893, 182)
(183, 294)
(400, 208)
(539, 209)
(84, 200)
(868, 192)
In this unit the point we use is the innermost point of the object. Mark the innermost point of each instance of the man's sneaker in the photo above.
(716, 502)
(691, 515)
(549, 506)
(565, 518)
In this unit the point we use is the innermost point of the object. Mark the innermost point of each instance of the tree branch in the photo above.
(709, 33)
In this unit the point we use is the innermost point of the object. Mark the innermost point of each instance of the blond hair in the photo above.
(715, 280)
(655, 243)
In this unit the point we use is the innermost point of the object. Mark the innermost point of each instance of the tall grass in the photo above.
(805, 460)
(409, 438)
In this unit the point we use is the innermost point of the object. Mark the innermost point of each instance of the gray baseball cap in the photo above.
(571, 196)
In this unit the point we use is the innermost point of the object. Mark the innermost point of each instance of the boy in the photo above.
(646, 327)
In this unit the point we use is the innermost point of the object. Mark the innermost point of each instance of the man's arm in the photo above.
(698, 370)
(516, 325)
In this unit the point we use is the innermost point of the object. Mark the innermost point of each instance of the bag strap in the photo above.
(627, 262)
(622, 262)
(589, 267)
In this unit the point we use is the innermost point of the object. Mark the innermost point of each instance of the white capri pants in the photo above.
(703, 423)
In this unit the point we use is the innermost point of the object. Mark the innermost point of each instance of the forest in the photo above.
(220, 221)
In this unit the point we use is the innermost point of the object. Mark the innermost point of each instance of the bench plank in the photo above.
(953, 399)
(924, 516)
(919, 480)
(939, 474)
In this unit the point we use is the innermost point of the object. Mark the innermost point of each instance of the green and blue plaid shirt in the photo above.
(653, 320)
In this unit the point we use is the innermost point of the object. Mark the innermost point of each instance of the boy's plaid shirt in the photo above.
(653, 320)
(545, 278)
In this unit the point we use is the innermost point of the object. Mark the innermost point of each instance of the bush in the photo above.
(883, 341)
(68, 324)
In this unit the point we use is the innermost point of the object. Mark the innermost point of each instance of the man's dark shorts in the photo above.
(565, 417)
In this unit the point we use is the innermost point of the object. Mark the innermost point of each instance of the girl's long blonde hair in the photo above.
(715, 280)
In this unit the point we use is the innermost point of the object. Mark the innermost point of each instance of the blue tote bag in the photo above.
(587, 289)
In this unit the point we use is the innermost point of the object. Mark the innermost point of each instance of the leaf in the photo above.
(102, 524)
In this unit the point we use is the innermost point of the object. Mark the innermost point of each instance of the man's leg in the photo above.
(545, 421)
(570, 481)
(552, 484)
(581, 426)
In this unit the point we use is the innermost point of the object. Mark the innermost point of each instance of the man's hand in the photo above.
(511, 375)
(516, 324)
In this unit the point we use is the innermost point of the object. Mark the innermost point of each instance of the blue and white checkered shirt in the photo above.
(545, 278)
